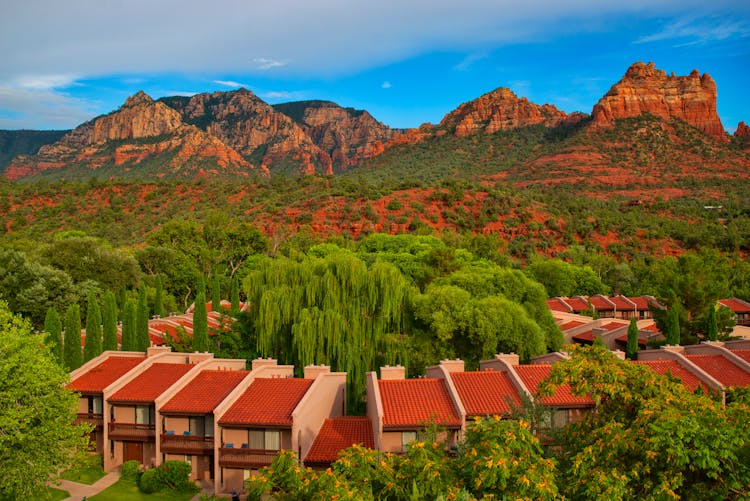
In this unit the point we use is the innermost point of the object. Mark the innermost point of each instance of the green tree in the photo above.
(53, 334)
(109, 321)
(200, 324)
(234, 297)
(631, 351)
(93, 346)
(129, 342)
(673, 326)
(215, 292)
(712, 329)
(36, 411)
(72, 357)
(159, 297)
(142, 339)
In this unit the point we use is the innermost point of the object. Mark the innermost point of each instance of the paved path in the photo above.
(79, 491)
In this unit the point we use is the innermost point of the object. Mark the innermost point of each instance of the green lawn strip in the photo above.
(126, 490)
(56, 494)
(86, 475)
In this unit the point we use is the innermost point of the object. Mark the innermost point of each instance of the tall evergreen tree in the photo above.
(200, 324)
(632, 349)
(201, 287)
(93, 346)
(53, 333)
(215, 293)
(72, 357)
(234, 296)
(128, 326)
(673, 327)
(122, 298)
(141, 322)
(712, 329)
(109, 320)
(159, 298)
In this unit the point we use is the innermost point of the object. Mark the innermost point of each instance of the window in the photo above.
(95, 405)
(144, 414)
(196, 425)
(269, 440)
(408, 436)
(208, 426)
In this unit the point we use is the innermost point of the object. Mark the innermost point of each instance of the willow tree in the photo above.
(93, 346)
(72, 358)
(109, 321)
(331, 310)
(53, 334)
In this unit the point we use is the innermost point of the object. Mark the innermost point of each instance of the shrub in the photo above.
(129, 470)
(170, 475)
(150, 482)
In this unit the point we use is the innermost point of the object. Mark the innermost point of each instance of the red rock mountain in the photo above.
(346, 135)
(742, 130)
(140, 130)
(646, 89)
(501, 109)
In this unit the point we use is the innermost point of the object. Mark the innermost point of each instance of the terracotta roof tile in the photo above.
(744, 354)
(151, 383)
(578, 304)
(104, 374)
(410, 403)
(600, 303)
(204, 392)
(338, 434)
(485, 392)
(624, 339)
(721, 369)
(533, 375)
(622, 303)
(586, 336)
(673, 367)
(736, 305)
(268, 402)
(613, 325)
(570, 325)
(556, 304)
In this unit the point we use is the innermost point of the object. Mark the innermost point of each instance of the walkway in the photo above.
(79, 491)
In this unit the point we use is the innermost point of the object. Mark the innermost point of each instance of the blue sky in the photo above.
(406, 62)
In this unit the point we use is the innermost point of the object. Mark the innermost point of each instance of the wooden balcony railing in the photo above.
(132, 431)
(246, 458)
(87, 417)
(186, 444)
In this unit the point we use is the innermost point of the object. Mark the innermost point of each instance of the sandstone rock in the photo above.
(646, 89)
(742, 130)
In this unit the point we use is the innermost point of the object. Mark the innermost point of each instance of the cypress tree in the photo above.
(159, 299)
(109, 319)
(200, 324)
(128, 327)
(673, 327)
(712, 329)
(142, 341)
(122, 299)
(215, 293)
(201, 287)
(234, 297)
(53, 334)
(93, 346)
(632, 349)
(72, 358)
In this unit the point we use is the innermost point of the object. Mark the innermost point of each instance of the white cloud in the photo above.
(230, 83)
(469, 61)
(692, 30)
(263, 63)
(33, 108)
(386, 85)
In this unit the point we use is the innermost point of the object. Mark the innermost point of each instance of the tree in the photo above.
(129, 342)
(673, 326)
(712, 330)
(53, 334)
(234, 297)
(650, 438)
(72, 358)
(200, 324)
(36, 411)
(215, 292)
(109, 321)
(632, 348)
(159, 298)
(142, 339)
(93, 346)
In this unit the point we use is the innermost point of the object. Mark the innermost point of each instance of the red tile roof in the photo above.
(721, 369)
(600, 303)
(204, 392)
(533, 375)
(267, 402)
(412, 403)
(485, 392)
(104, 374)
(744, 354)
(641, 302)
(621, 303)
(585, 336)
(151, 383)
(338, 434)
(624, 339)
(651, 327)
(613, 325)
(570, 325)
(674, 368)
(577, 303)
(736, 305)
(557, 304)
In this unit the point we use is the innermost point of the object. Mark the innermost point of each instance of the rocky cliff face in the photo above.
(140, 130)
(346, 135)
(742, 130)
(252, 127)
(646, 89)
(498, 110)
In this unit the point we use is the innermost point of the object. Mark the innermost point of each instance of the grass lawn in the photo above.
(126, 490)
(57, 494)
(84, 475)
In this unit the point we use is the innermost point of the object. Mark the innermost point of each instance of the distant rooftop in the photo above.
(104, 374)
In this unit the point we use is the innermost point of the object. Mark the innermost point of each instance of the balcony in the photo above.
(244, 458)
(186, 444)
(132, 432)
(88, 417)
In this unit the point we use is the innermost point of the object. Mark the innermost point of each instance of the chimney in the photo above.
(313, 371)
(262, 362)
(456, 365)
(395, 372)
(509, 358)
(152, 351)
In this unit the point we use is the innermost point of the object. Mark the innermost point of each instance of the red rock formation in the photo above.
(498, 110)
(742, 130)
(646, 89)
